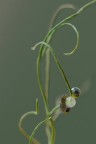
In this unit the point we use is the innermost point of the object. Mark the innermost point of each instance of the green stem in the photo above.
(40, 84)
(47, 72)
(36, 128)
(61, 69)
(53, 131)
(45, 98)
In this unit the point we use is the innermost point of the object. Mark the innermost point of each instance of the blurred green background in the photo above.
(23, 23)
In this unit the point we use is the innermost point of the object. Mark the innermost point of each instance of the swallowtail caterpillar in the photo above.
(68, 102)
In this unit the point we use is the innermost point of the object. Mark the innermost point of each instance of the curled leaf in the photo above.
(23, 118)
(77, 42)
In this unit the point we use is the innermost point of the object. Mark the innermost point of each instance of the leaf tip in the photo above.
(32, 48)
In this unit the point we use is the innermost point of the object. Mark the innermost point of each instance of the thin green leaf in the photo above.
(36, 128)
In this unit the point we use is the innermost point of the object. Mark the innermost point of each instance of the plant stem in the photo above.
(44, 97)
(47, 72)
(36, 128)
(40, 85)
